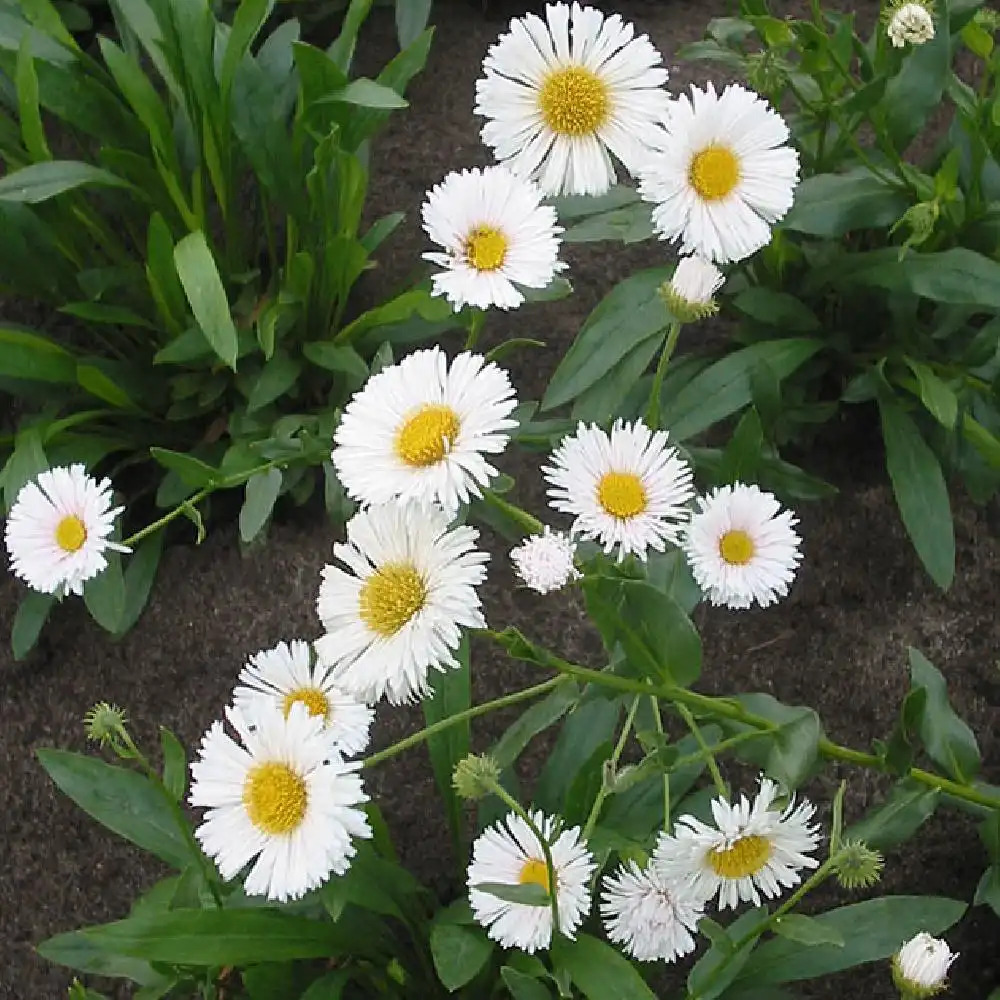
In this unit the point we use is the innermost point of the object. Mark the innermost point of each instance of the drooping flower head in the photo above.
(497, 237)
(627, 489)
(286, 675)
(752, 851)
(419, 430)
(690, 292)
(742, 548)
(653, 918)
(59, 528)
(395, 606)
(545, 562)
(920, 967)
(564, 94)
(909, 23)
(281, 797)
(510, 854)
(723, 174)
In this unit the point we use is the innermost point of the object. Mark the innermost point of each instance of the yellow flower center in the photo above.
(390, 597)
(311, 697)
(714, 172)
(427, 435)
(622, 494)
(736, 547)
(535, 872)
(486, 248)
(745, 857)
(71, 533)
(574, 101)
(275, 798)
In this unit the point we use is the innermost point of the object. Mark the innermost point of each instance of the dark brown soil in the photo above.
(838, 643)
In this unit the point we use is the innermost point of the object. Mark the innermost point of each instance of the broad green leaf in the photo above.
(936, 395)
(725, 386)
(459, 953)
(330, 987)
(341, 50)
(26, 85)
(604, 399)
(794, 749)
(872, 931)
(374, 883)
(261, 493)
(42, 181)
(206, 295)
(948, 739)
(34, 357)
(32, 613)
(165, 287)
(528, 894)
(174, 764)
(102, 386)
(631, 313)
(920, 490)
(781, 310)
(104, 595)
(522, 986)
(192, 471)
(25, 463)
(599, 971)
(76, 952)
(807, 930)
(247, 22)
(578, 206)
(631, 223)
(140, 572)
(124, 801)
(988, 889)
(833, 204)
(411, 20)
(277, 377)
(337, 359)
(100, 312)
(367, 94)
(719, 966)
(532, 721)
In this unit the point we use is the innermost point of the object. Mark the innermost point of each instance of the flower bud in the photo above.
(910, 23)
(689, 293)
(476, 776)
(105, 724)
(857, 866)
(920, 967)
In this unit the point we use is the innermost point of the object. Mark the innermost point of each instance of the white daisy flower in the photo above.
(920, 967)
(740, 548)
(396, 609)
(285, 675)
(564, 93)
(628, 490)
(910, 23)
(419, 430)
(651, 917)
(282, 797)
(690, 293)
(722, 174)
(497, 235)
(545, 562)
(509, 853)
(752, 851)
(58, 530)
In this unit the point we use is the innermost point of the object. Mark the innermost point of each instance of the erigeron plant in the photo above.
(644, 855)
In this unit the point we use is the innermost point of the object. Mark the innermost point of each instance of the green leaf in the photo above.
(605, 398)
(140, 572)
(831, 205)
(34, 357)
(279, 374)
(247, 22)
(712, 974)
(920, 490)
(206, 295)
(104, 595)
(872, 931)
(450, 693)
(522, 986)
(165, 287)
(32, 613)
(529, 894)
(794, 749)
(25, 463)
(174, 764)
(76, 952)
(42, 181)
(373, 883)
(335, 358)
(212, 938)
(949, 741)
(533, 720)
(725, 386)
(26, 85)
(807, 930)
(631, 223)
(261, 493)
(330, 987)
(598, 970)
(102, 386)
(459, 953)
(193, 471)
(367, 94)
(411, 20)
(632, 312)
(127, 803)
(781, 310)
(936, 395)
(988, 890)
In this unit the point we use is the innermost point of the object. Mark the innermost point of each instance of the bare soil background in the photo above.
(838, 643)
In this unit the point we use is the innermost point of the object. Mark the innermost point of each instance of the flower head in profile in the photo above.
(509, 853)
(545, 562)
(653, 918)
(627, 489)
(279, 796)
(690, 293)
(59, 529)
(753, 850)
(920, 967)
(286, 675)
(496, 235)
(396, 601)
(910, 22)
(564, 95)
(742, 548)
(723, 174)
(420, 430)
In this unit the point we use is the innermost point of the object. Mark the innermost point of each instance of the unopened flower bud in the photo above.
(476, 776)
(857, 866)
(545, 562)
(689, 294)
(920, 967)
(105, 724)
(910, 23)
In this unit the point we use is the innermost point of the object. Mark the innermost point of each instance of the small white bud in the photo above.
(920, 967)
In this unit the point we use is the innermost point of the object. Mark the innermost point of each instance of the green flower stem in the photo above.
(728, 709)
(477, 321)
(530, 523)
(605, 789)
(508, 800)
(653, 409)
(658, 722)
(415, 739)
(711, 762)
